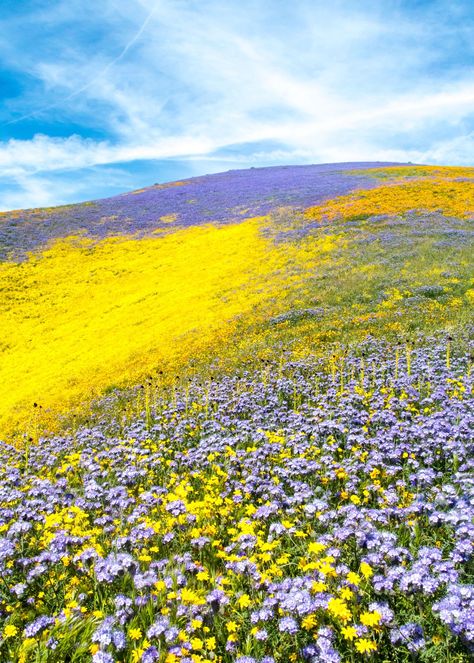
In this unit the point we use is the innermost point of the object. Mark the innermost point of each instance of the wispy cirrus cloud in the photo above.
(211, 82)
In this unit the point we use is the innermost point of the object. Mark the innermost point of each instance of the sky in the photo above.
(104, 97)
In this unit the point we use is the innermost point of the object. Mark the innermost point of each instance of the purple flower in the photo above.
(114, 566)
(37, 626)
(410, 635)
(158, 627)
(150, 655)
(288, 625)
(102, 657)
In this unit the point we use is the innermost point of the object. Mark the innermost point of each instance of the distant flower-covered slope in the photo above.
(225, 268)
(221, 198)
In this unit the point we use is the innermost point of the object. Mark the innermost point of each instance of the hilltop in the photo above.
(221, 198)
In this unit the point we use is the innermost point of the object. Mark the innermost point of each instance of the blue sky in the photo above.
(102, 97)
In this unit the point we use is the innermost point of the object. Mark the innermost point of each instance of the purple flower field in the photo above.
(221, 198)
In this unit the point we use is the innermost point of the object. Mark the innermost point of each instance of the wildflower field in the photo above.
(238, 421)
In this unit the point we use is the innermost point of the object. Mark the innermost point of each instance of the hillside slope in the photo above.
(225, 268)
(243, 436)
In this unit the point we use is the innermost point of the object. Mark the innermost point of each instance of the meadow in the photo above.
(238, 421)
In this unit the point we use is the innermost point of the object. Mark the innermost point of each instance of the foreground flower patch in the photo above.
(302, 512)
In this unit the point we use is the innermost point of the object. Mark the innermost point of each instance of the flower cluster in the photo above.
(301, 512)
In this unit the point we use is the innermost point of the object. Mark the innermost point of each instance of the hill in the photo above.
(224, 267)
(238, 425)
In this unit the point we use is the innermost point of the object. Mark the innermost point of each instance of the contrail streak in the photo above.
(93, 80)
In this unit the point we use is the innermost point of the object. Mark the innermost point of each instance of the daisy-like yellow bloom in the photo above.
(346, 593)
(365, 646)
(318, 587)
(188, 596)
(339, 609)
(9, 631)
(231, 627)
(197, 644)
(244, 601)
(349, 633)
(211, 643)
(135, 634)
(316, 547)
(370, 618)
(309, 622)
(366, 570)
(353, 578)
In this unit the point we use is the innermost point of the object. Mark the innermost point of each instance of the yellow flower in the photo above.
(364, 645)
(231, 627)
(9, 631)
(211, 644)
(353, 578)
(366, 570)
(309, 622)
(338, 608)
(244, 601)
(316, 547)
(346, 593)
(188, 596)
(370, 618)
(135, 633)
(197, 644)
(349, 632)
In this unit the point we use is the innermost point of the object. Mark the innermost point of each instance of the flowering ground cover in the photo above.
(308, 510)
(237, 416)
(221, 198)
(84, 314)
